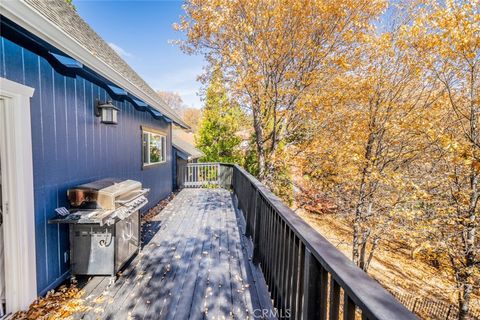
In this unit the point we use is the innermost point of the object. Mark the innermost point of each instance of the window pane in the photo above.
(155, 148)
(145, 148)
(164, 148)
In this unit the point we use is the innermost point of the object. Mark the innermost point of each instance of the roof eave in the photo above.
(28, 18)
(192, 156)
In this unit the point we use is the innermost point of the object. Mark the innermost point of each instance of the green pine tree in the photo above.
(221, 120)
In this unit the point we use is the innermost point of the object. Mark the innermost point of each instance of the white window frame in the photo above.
(150, 132)
(18, 195)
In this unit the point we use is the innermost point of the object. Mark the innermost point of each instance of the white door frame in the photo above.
(17, 195)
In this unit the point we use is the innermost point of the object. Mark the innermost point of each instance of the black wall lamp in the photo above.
(107, 111)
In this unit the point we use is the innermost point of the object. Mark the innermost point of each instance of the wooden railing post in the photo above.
(221, 176)
(334, 299)
(305, 274)
(312, 285)
(256, 230)
(249, 209)
(234, 172)
(348, 308)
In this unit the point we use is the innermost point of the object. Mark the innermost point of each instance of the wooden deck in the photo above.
(196, 266)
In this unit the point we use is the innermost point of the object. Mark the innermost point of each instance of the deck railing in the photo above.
(307, 277)
(202, 175)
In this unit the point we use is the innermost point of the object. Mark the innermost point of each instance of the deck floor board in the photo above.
(195, 267)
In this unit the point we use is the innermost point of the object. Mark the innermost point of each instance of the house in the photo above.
(184, 145)
(71, 112)
(184, 151)
(54, 71)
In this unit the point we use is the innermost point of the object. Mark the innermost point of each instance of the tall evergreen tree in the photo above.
(221, 119)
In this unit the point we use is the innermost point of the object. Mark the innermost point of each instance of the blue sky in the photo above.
(140, 31)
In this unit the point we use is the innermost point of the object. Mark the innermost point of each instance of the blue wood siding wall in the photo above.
(71, 146)
(174, 168)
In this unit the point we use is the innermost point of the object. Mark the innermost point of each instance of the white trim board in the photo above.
(18, 195)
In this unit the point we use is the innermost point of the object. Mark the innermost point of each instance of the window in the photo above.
(154, 146)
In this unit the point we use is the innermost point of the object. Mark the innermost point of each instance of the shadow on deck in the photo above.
(211, 261)
(196, 266)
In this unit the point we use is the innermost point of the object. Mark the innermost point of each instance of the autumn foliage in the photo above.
(60, 304)
(368, 110)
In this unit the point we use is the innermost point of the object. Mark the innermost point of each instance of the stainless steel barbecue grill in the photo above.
(104, 225)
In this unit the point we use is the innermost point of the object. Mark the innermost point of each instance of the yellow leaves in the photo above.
(384, 111)
(289, 75)
(451, 30)
(343, 63)
(476, 165)
(59, 304)
(386, 39)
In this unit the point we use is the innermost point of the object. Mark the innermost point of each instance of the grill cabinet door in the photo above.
(92, 249)
(127, 232)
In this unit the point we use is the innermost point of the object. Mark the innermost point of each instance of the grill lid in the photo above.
(104, 201)
(98, 185)
(101, 194)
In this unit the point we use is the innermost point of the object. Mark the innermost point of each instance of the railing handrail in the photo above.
(265, 213)
(194, 164)
(204, 174)
(374, 300)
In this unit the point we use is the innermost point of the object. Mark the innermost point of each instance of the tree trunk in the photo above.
(355, 245)
(261, 162)
(257, 125)
(363, 252)
(370, 255)
(464, 300)
(364, 245)
(471, 225)
(362, 192)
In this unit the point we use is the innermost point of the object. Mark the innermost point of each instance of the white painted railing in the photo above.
(204, 175)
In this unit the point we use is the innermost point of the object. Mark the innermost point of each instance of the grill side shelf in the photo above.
(79, 217)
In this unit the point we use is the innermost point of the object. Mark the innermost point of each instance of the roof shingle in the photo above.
(67, 19)
(182, 141)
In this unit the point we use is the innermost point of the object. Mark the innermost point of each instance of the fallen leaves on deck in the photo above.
(67, 300)
(57, 304)
(153, 212)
